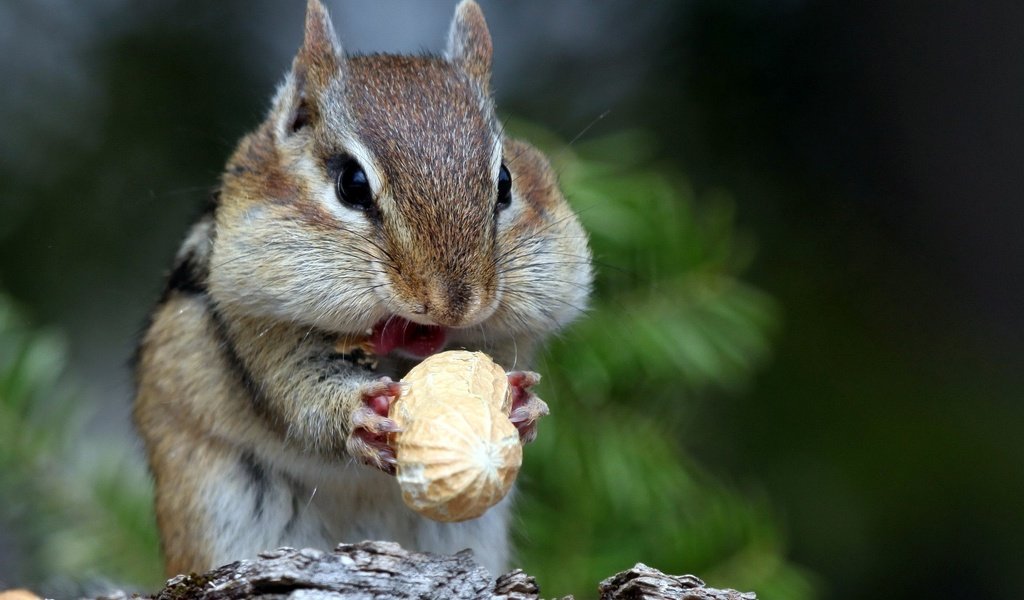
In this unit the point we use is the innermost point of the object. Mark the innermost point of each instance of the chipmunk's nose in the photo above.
(451, 303)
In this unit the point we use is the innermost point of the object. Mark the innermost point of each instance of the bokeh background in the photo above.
(803, 371)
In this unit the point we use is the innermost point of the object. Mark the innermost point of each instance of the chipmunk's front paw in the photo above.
(526, 406)
(368, 440)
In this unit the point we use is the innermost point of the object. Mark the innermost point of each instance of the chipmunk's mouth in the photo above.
(397, 333)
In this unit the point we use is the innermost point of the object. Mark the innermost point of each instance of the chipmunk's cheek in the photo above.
(396, 333)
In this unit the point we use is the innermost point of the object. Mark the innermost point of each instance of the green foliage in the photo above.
(608, 482)
(82, 511)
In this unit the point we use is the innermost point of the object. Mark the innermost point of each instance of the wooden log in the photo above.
(369, 570)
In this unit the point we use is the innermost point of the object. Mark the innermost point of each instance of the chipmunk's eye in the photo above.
(504, 188)
(353, 187)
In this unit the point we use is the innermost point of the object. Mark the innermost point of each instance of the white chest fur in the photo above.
(310, 504)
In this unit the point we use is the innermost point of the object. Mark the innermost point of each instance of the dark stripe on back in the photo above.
(257, 399)
(187, 278)
(256, 475)
(296, 490)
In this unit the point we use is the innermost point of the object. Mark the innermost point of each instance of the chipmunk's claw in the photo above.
(370, 426)
(527, 408)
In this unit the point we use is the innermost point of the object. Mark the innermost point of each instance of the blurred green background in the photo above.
(803, 371)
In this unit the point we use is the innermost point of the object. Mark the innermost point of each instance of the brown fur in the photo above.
(245, 407)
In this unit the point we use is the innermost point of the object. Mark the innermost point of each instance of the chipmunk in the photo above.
(378, 215)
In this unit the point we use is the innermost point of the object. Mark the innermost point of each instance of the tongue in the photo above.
(396, 333)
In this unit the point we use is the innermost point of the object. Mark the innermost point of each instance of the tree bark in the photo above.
(370, 570)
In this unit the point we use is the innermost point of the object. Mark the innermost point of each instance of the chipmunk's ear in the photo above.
(319, 62)
(320, 57)
(469, 42)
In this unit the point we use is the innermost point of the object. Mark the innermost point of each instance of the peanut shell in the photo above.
(458, 454)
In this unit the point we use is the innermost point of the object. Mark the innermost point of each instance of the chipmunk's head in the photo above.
(381, 186)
